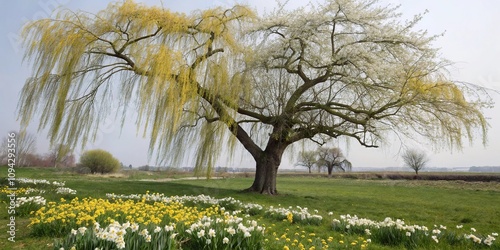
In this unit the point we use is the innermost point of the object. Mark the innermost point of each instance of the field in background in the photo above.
(369, 195)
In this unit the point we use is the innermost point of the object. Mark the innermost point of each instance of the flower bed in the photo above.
(157, 221)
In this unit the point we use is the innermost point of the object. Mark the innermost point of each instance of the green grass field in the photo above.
(428, 203)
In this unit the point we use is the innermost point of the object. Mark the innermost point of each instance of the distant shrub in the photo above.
(144, 168)
(99, 161)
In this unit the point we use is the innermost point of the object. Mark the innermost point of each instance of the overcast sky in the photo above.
(471, 40)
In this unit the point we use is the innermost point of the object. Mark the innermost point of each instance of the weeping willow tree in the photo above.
(218, 77)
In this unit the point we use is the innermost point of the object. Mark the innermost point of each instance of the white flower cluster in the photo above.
(387, 222)
(80, 230)
(300, 213)
(352, 221)
(38, 200)
(207, 229)
(230, 228)
(124, 196)
(32, 181)
(487, 241)
(34, 190)
(65, 190)
(40, 181)
(59, 184)
(349, 222)
(115, 232)
(252, 208)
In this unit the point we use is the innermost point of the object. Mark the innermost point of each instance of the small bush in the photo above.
(99, 161)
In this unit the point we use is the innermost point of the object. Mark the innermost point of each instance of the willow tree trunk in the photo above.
(267, 164)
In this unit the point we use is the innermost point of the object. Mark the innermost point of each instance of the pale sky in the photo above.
(471, 40)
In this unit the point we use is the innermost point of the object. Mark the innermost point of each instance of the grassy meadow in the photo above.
(446, 210)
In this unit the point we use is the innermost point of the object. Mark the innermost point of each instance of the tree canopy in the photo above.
(209, 79)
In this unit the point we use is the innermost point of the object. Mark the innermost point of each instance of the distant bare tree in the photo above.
(345, 166)
(331, 159)
(307, 159)
(37, 160)
(414, 159)
(25, 145)
(61, 156)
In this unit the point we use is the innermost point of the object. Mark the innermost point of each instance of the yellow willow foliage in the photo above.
(432, 100)
(436, 89)
(167, 64)
(139, 19)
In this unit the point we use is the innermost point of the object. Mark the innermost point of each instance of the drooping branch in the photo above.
(230, 122)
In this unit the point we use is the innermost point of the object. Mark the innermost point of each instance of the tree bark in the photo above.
(259, 178)
(267, 164)
(265, 175)
(270, 180)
